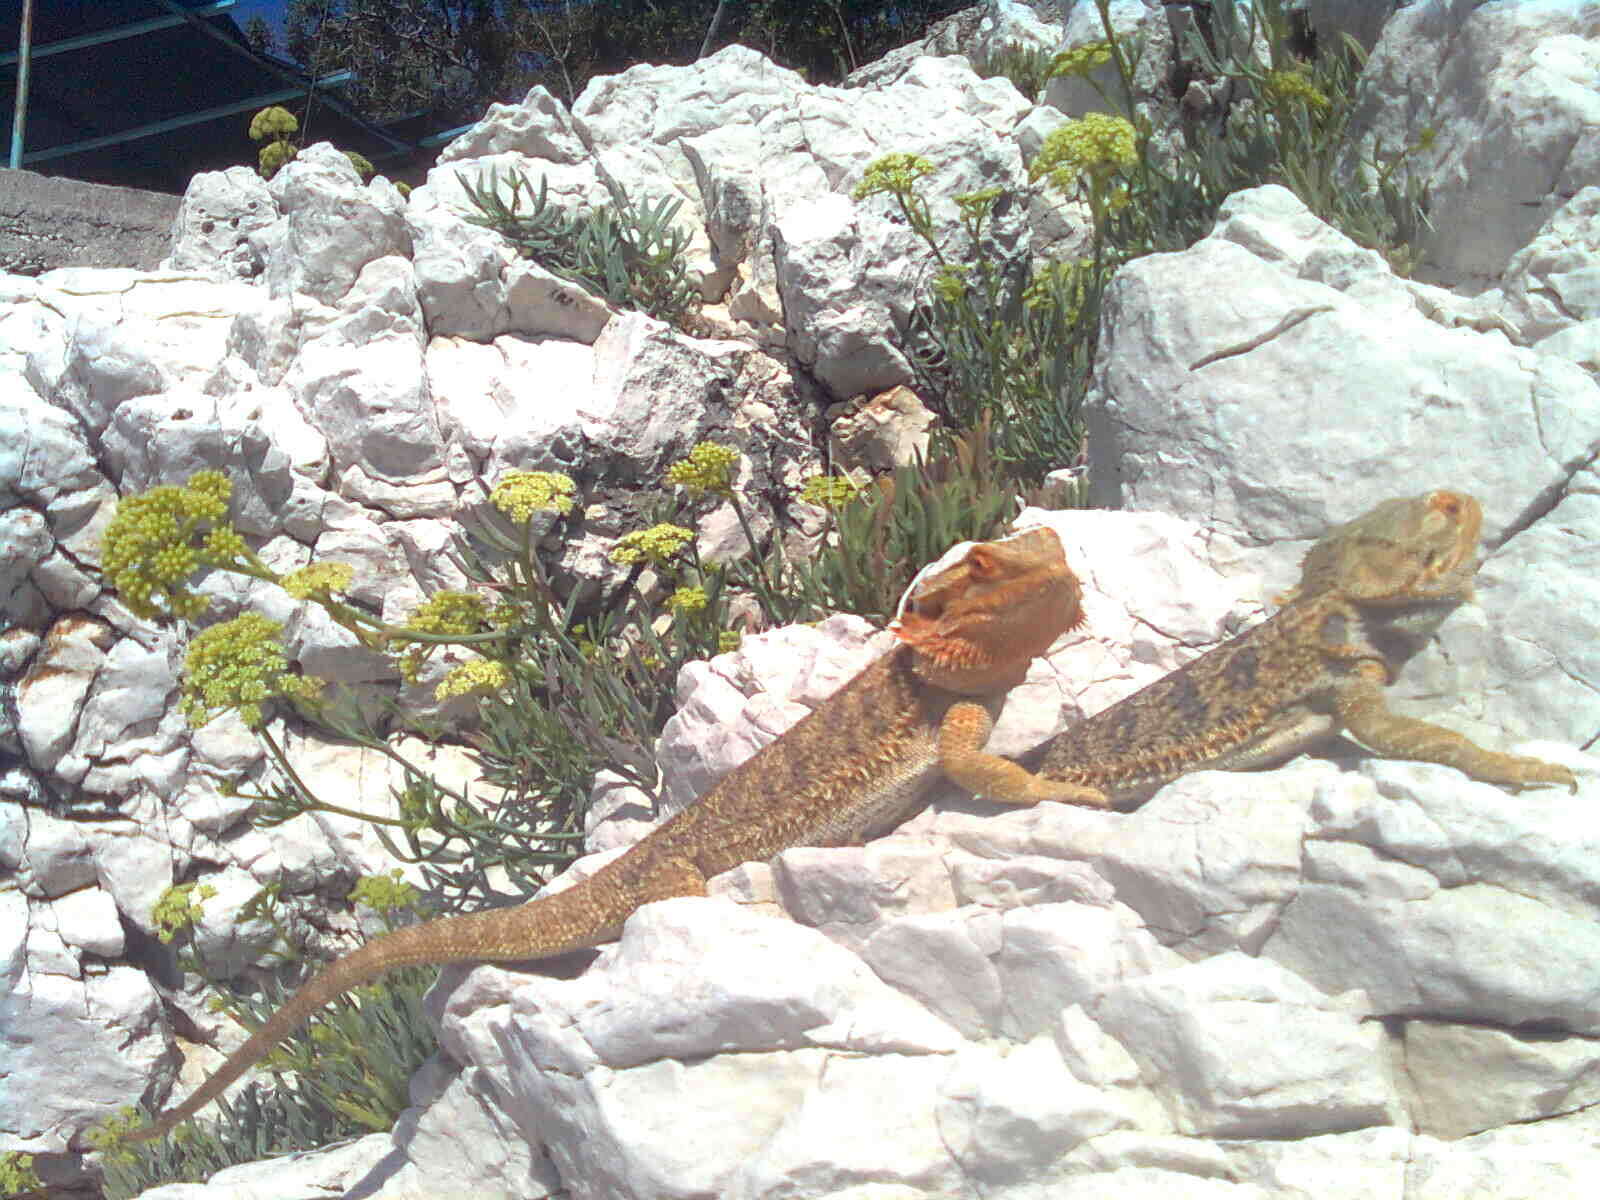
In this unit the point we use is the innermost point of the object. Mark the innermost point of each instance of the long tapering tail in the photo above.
(569, 920)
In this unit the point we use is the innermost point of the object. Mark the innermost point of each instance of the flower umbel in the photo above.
(894, 174)
(480, 676)
(1287, 86)
(446, 614)
(520, 494)
(657, 545)
(319, 579)
(158, 539)
(687, 600)
(709, 468)
(1080, 60)
(384, 893)
(239, 664)
(974, 206)
(179, 907)
(950, 284)
(829, 491)
(1097, 143)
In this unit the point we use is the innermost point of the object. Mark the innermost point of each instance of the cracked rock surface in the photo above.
(1342, 978)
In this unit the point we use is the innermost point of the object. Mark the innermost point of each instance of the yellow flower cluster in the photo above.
(1042, 287)
(318, 579)
(178, 908)
(274, 122)
(520, 494)
(1096, 142)
(447, 612)
(687, 600)
(658, 545)
(156, 540)
(829, 491)
(239, 664)
(17, 1176)
(977, 204)
(384, 893)
(1080, 60)
(709, 468)
(894, 174)
(1285, 86)
(950, 284)
(478, 676)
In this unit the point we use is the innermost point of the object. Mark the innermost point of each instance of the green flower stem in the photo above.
(765, 589)
(308, 797)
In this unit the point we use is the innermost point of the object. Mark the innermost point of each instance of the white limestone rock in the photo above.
(1535, 671)
(456, 1139)
(1464, 1079)
(1217, 858)
(61, 1018)
(1506, 88)
(50, 692)
(1213, 415)
(539, 127)
(336, 1170)
(333, 224)
(1239, 1047)
(612, 1052)
(131, 335)
(1553, 282)
(1366, 1164)
(212, 232)
(47, 857)
(1516, 1162)
(471, 282)
(1229, 390)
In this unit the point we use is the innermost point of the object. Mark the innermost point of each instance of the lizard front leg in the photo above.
(962, 734)
(1359, 704)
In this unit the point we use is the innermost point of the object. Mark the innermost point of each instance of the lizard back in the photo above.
(1265, 681)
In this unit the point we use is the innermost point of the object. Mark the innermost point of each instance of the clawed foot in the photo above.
(1535, 772)
(1073, 793)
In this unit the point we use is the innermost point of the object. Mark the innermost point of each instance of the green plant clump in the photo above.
(628, 254)
(1286, 122)
(1015, 341)
(17, 1176)
(344, 1074)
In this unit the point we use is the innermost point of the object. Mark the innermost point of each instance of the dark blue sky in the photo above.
(272, 10)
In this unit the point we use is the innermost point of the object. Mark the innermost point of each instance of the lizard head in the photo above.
(980, 614)
(1422, 549)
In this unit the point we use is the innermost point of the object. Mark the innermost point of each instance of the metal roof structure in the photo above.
(145, 93)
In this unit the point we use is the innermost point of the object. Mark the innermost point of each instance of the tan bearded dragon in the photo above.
(1371, 594)
(855, 767)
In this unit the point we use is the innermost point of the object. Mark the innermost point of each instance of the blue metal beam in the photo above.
(19, 114)
(193, 118)
(445, 135)
(395, 144)
(117, 32)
